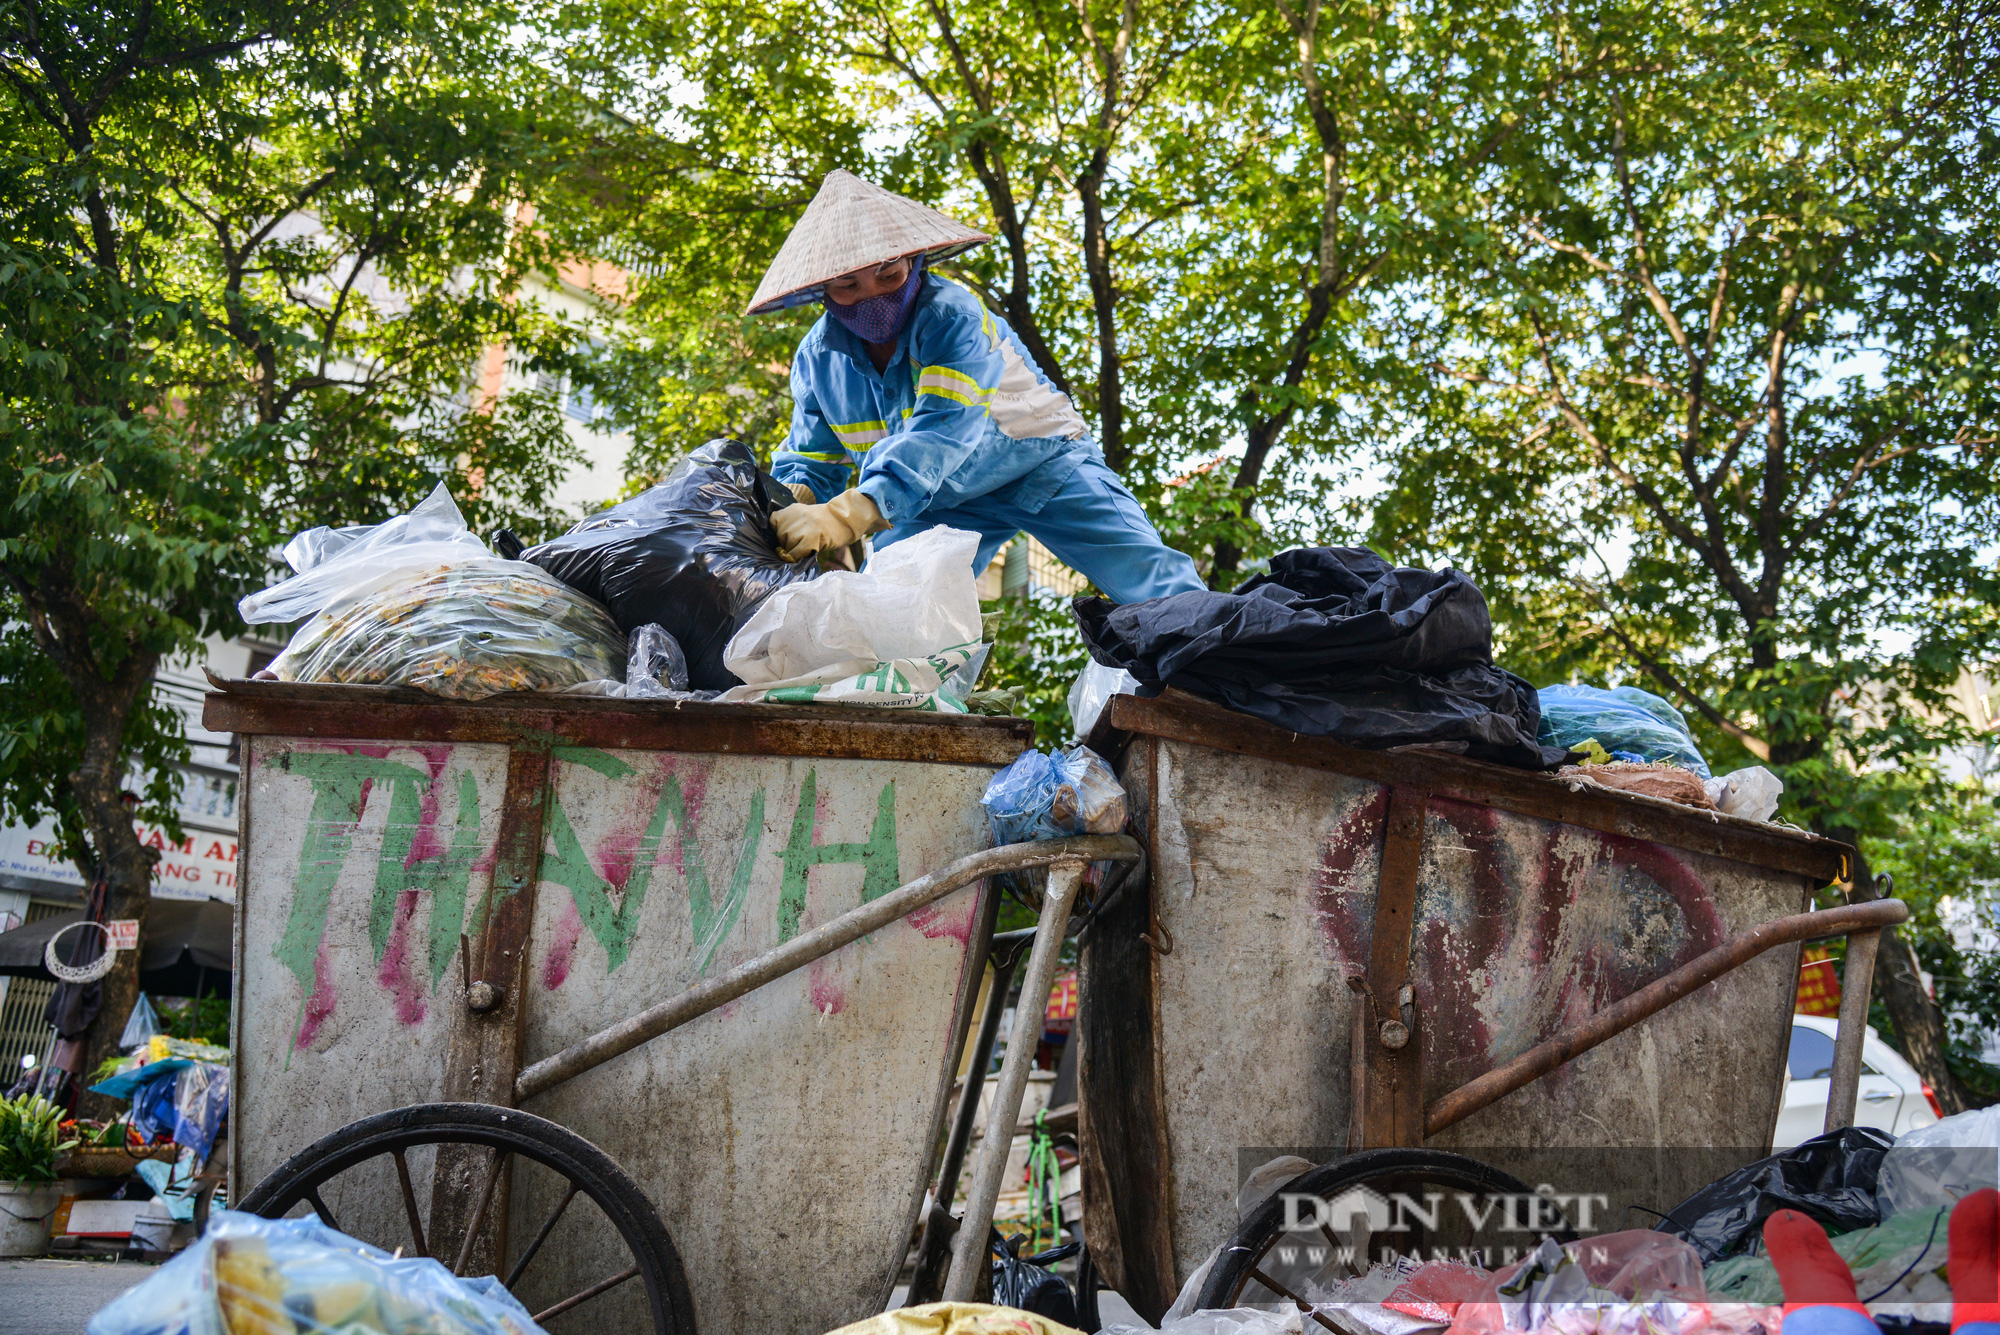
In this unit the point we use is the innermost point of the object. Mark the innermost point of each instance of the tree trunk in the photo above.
(127, 866)
(1920, 1030)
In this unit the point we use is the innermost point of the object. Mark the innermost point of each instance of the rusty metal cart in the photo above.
(1407, 954)
(446, 911)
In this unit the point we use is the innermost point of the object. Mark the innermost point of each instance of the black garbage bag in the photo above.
(1830, 1177)
(693, 555)
(1335, 642)
(1024, 1283)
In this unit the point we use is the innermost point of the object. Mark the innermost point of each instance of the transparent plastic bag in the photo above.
(1092, 690)
(1043, 796)
(916, 598)
(475, 628)
(656, 669)
(252, 1276)
(140, 1025)
(1629, 723)
(1941, 1164)
(330, 562)
(1751, 793)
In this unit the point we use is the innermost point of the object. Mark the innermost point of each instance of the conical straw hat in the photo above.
(851, 224)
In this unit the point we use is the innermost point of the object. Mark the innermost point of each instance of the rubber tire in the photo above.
(614, 1190)
(1257, 1231)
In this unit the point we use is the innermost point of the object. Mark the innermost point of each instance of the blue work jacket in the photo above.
(961, 411)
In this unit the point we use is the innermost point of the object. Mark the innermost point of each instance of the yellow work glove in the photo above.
(803, 493)
(804, 529)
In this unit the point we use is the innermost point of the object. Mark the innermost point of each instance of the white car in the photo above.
(1893, 1096)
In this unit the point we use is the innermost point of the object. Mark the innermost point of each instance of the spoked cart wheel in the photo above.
(1342, 1216)
(506, 1135)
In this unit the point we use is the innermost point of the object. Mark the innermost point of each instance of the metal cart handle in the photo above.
(800, 951)
(1862, 924)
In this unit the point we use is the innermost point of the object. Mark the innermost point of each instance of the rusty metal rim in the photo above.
(323, 713)
(1180, 717)
(1656, 996)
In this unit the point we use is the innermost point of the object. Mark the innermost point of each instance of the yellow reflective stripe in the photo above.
(860, 435)
(821, 458)
(951, 378)
(953, 395)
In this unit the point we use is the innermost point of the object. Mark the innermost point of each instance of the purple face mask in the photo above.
(880, 319)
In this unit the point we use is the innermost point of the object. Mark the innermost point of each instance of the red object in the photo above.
(1930, 1097)
(1061, 1012)
(1819, 984)
(1973, 1259)
(1809, 1270)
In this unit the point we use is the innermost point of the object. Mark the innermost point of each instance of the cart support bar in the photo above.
(1857, 983)
(800, 951)
(969, 1246)
(1656, 996)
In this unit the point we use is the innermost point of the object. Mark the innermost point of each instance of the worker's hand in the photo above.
(804, 529)
(803, 493)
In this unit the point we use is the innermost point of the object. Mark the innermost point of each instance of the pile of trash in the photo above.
(677, 594)
(1636, 742)
(420, 601)
(177, 1089)
(252, 1276)
(1333, 642)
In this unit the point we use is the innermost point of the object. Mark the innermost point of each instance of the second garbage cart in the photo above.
(1339, 950)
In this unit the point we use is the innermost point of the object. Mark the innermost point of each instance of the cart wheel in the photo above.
(1264, 1262)
(507, 1132)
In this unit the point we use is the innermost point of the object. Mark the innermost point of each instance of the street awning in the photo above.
(184, 951)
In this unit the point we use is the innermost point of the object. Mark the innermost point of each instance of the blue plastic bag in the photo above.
(297, 1275)
(1629, 723)
(1053, 797)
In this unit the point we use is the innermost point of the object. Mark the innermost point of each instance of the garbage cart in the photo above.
(1409, 953)
(449, 912)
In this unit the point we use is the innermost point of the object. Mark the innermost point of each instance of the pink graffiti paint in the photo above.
(562, 949)
(320, 1004)
(828, 996)
(935, 921)
(1512, 945)
(395, 973)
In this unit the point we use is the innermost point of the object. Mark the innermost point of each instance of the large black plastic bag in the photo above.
(1334, 642)
(1832, 1178)
(694, 555)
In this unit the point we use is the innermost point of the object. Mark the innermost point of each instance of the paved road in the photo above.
(48, 1297)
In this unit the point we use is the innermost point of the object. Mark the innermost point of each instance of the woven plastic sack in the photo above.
(939, 683)
(1630, 723)
(467, 630)
(1053, 797)
(252, 1276)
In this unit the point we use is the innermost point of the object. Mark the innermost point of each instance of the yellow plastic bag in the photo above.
(956, 1319)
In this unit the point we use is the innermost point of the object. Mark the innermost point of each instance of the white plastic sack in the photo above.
(331, 562)
(1092, 690)
(1751, 793)
(1941, 1164)
(1285, 1320)
(915, 599)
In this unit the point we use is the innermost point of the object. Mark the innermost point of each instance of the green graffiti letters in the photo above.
(880, 862)
(566, 864)
(340, 782)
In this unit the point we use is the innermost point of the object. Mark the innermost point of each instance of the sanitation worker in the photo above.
(947, 420)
